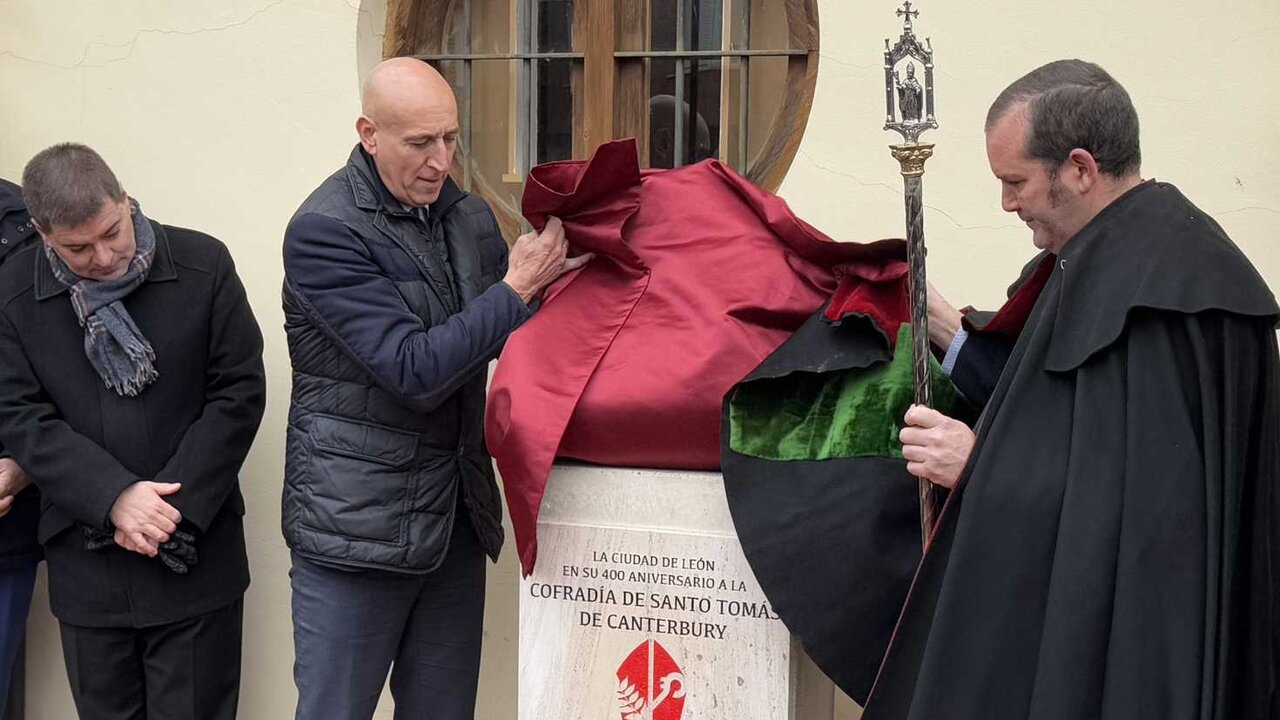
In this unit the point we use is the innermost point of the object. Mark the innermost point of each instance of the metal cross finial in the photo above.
(906, 13)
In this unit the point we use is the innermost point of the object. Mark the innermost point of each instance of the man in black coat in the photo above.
(133, 387)
(1110, 549)
(19, 501)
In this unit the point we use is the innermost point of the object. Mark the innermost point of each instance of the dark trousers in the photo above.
(15, 601)
(349, 627)
(188, 670)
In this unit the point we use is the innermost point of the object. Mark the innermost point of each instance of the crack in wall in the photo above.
(131, 44)
(897, 191)
(1250, 208)
(824, 57)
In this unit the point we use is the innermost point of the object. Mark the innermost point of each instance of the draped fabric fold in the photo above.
(698, 276)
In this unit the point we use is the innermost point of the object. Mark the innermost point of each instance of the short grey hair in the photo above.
(67, 185)
(1075, 104)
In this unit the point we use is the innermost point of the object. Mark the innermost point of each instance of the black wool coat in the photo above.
(82, 444)
(18, 546)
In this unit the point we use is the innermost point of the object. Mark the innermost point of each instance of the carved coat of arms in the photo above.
(650, 684)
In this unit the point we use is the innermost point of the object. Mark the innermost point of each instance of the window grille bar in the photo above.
(531, 47)
(524, 89)
(694, 54)
(501, 56)
(468, 160)
(695, 71)
(744, 90)
(678, 155)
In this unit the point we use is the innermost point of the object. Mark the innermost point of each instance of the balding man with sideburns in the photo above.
(399, 289)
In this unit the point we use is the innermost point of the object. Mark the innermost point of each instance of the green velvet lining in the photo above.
(844, 414)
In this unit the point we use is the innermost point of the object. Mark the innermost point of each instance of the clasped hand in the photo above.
(12, 481)
(143, 519)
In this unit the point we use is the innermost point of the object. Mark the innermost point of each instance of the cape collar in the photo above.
(1151, 249)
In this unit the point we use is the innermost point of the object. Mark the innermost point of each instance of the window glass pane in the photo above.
(662, 112)
(704, 24)
(700, 108)
(488, 109)
(662, 24)
(767, 89)
(768, 86)
(455, 71)
(555, 110)
(703, 89)
(555, 25)
(731, 149)
(770, 28)
(489, 25)
(761, 25)
(737, 19)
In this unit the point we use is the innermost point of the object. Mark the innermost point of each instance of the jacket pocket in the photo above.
(359, 478)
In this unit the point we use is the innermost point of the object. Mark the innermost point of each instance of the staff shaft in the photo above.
(912, 158)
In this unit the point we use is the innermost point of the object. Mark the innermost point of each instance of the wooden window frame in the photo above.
(610, 78)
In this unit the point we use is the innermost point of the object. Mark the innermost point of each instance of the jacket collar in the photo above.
(163, 268)
(10, 198)
(371, 194)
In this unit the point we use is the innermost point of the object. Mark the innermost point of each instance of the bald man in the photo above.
(399, 290)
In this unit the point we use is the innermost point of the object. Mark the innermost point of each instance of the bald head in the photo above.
(401, 84)
(409, 125)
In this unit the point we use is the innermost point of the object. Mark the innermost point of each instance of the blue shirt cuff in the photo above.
(953, 352)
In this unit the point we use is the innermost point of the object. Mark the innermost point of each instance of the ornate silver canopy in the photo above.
(908, 104)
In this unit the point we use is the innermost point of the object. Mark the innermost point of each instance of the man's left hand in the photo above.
(935, 446)
(944, 320)
(137, 543)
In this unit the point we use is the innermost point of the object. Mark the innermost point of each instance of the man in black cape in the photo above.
(1110, 548)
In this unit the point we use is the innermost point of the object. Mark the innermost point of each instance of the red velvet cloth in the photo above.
(877, 290)
(698, 276)
(1012, 316)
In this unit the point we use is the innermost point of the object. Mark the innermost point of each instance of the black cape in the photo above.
(1112, 551)
(832, 532)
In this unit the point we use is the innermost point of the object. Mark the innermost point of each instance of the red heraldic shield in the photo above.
(650, 684)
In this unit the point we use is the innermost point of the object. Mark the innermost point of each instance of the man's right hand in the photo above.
(935, 446)
(538, 258)
(143, 519)
(12, 482)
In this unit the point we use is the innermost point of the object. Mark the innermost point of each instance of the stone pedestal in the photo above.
(642, 607)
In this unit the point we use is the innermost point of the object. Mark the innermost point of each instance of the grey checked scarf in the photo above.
(114, 345)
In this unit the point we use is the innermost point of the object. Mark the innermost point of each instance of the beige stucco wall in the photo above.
(224, 115)
(1197, 73)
